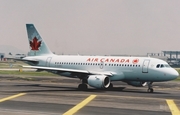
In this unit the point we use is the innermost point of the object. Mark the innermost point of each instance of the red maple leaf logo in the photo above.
(35, 44)
(135, 61)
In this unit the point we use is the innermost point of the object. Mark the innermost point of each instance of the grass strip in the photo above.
(28, 73)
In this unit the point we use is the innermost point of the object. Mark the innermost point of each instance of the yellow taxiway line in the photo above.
(11, 97)
(172, 106)
(80, 105)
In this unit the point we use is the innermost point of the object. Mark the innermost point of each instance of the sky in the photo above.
(93, 27)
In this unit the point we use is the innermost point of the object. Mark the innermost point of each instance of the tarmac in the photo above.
(20, 95)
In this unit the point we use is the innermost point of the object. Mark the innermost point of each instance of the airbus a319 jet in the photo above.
(97, 71)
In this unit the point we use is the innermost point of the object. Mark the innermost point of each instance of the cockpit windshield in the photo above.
(162, 66)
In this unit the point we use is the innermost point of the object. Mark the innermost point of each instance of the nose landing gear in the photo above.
(150, 87)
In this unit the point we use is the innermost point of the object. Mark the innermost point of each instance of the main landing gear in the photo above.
(83, 86)
(150, 87)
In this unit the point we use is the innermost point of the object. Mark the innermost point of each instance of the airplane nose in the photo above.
(174, 74)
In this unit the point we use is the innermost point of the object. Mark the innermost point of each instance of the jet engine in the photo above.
(137, 83)
(98, 81)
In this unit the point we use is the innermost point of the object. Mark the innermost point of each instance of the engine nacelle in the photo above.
(137, 83)
(98, 81)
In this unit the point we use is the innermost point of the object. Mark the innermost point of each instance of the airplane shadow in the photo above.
(75, 89)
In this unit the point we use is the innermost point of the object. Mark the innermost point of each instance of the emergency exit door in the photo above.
(145, 66)
(48, 61)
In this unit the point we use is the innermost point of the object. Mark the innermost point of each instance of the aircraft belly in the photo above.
(67, 74)
(135, 75)
(140, 76)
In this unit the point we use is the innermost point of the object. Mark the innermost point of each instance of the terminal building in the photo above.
(172, 57)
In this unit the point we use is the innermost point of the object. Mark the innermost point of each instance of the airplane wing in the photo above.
(70, 70)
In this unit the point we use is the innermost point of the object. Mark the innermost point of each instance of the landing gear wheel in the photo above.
(82, 87)
(150, 90)
(150, 87)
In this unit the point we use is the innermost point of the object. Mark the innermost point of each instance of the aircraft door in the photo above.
(145, 66)
(48, 60)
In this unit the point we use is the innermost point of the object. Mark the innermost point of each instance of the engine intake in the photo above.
(98, 81)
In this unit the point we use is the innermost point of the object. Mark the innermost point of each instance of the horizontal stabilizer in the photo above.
(23, 59)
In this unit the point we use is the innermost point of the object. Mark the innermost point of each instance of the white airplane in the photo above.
(97, 71)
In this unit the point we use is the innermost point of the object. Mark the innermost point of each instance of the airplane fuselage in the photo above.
(122, 68)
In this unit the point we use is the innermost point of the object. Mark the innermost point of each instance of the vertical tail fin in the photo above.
(36, 43)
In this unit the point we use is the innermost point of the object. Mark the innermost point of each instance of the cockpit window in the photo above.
(158, 66)
(166, 65)
(162, 66)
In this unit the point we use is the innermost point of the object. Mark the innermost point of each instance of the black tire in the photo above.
(82, 87)
(150, 90)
